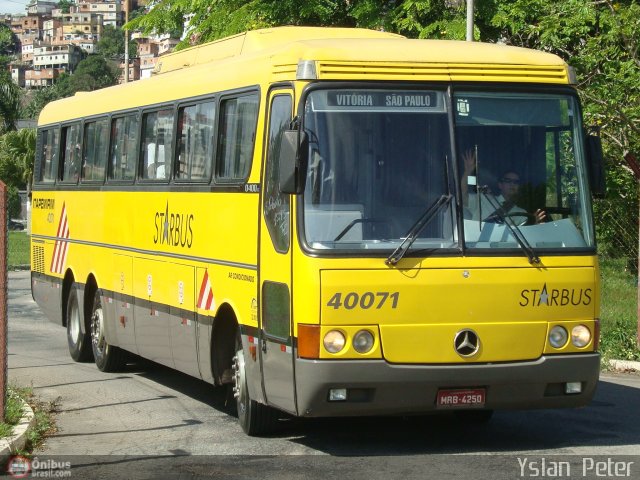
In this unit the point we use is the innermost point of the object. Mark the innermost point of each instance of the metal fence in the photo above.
(617, 229)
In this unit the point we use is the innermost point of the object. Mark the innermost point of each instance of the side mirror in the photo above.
(293, 148)
(595, 165)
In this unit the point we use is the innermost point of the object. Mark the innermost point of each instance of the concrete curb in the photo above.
(624, 366)
(10, 445)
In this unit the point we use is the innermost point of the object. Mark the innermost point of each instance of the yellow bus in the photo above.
(329, 222)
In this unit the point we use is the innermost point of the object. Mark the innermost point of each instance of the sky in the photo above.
(13, 6)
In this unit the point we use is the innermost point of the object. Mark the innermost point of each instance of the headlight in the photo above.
(558, 337)
(580, 336)
(363, 341)
(334, 341)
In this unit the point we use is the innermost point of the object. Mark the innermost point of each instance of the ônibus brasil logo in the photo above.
(18, 466)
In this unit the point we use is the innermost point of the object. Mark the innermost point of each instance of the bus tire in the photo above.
(79, 343)
(107, 357)
(254, 418)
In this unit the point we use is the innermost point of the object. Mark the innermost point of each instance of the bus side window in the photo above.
(122, 154)
(157, 140)
(276, 204)
(48, 155)
(71, 154)
(195, 142)
(94, 161)
(238, 119)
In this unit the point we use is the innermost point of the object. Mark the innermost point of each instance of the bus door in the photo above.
(276, 352)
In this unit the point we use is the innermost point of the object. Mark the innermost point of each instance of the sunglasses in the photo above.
(512, 181)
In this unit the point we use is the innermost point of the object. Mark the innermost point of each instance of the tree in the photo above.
(601, 40)
(8, 42)
(9, 102)
(17, 153)
(65, 5)
(39, 99)
(111, 44)
(92, 73)
(211, 21)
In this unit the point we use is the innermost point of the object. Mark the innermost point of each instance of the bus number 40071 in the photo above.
(365, 300)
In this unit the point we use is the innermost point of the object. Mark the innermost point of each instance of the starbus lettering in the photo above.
(173, 229)
(555, 297)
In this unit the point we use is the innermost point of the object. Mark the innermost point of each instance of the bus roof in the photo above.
(259, 40)
(272, 55)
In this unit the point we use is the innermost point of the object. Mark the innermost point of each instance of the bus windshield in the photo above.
(380, 159)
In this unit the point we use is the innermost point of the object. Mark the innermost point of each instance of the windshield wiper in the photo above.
(513, 228)
(417, 227)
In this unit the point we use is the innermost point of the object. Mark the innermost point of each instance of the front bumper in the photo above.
(376, 387)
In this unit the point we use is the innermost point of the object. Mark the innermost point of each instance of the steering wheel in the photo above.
(526, 218)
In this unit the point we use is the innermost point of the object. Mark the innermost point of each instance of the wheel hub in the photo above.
(239, 381)
(97, 332)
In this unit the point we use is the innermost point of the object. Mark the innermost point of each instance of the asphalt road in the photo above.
(152, 422)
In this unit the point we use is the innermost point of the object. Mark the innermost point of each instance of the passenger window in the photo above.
(236, 137)
(157, 141)
(48, 155)
(96, 141)
(71, 153)
(195, 142)
(122, 153)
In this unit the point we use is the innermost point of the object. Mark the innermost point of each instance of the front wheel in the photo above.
(254, 418)
(78, 337)
(107, 357)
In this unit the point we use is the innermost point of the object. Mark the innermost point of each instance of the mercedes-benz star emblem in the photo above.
(466, 343)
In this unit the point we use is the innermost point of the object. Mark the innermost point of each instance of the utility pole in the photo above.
(469, 20)
(4, 238)
(126, 42)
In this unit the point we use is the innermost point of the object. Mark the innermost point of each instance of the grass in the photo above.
(619, 311)
(17, 250)
(43, 413)
(13, 411)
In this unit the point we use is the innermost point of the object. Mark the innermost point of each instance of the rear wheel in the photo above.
(254, 418)
(107, 357)
(78, 337)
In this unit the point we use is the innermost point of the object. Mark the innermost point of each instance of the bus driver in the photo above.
(509, 187)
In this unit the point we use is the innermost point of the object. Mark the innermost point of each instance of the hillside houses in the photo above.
(53, 42)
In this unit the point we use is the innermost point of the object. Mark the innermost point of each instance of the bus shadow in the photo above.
(215, 397)
(612, 419)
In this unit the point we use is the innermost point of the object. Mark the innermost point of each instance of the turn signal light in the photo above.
(308, 341)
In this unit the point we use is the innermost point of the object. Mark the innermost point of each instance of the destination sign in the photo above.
(378, 100)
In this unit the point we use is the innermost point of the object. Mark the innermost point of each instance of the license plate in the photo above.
(471, 397)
